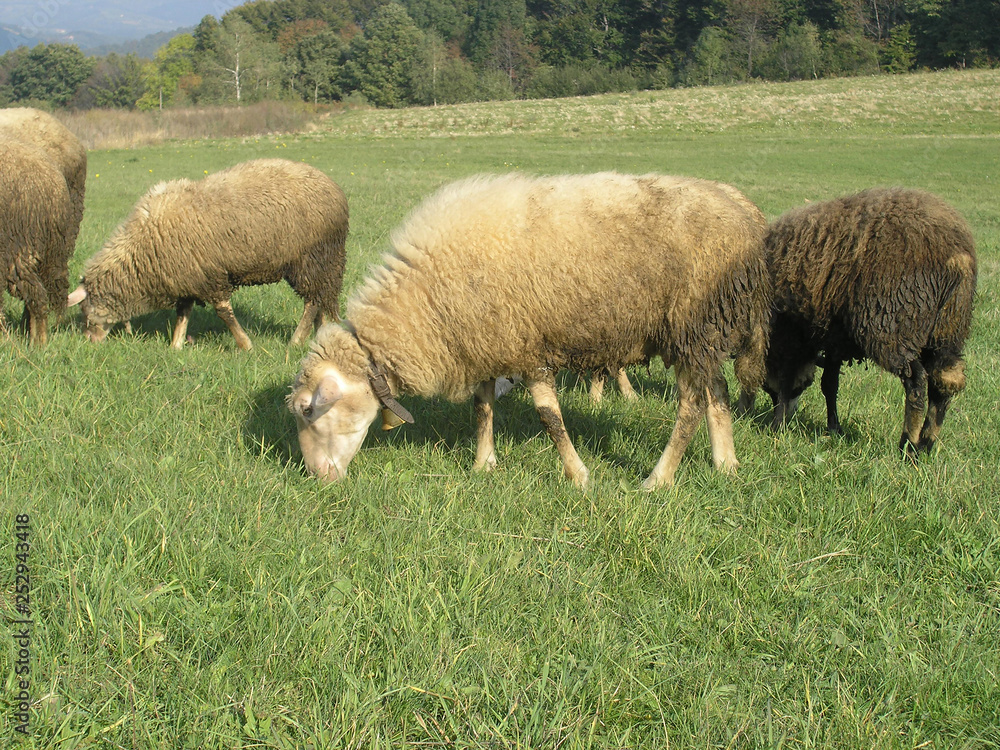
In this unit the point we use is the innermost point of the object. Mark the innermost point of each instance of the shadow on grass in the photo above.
(801, 423)
(590, 426)
(269, 428)
(203, 323)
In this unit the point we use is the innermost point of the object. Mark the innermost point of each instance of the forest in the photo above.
(423, 52)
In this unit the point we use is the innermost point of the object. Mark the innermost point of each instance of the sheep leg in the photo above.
(543, 392)
(720, 426)
(915, 385)
(829, 384)
(690, 409)
(36, 312)
(310, 316)
(224, 310)
(597, 386)
(486, 457)
(938, 400)
(597, 381)
(38, 332)
(625, 385)
(744, 405)
(183, 316)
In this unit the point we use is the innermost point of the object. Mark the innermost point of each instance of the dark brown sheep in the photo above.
(886, 275)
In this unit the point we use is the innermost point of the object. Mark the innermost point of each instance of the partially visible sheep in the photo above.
(887, 275)
(186, 242)
(35, 214)
(44, 131)
(517, 276)
(598, 378)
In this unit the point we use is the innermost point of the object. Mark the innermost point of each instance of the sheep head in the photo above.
(95, 322)
(785, 383)
(333, 411)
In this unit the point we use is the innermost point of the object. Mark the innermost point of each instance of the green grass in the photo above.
(192, 587)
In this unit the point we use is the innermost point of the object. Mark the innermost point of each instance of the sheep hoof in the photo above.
(908, 449)
(580, 478)
(653, 483)
(488, 464)
(729, 467)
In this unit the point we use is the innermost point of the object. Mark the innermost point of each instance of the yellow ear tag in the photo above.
(390, 420)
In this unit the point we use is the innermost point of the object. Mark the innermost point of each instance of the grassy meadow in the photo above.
(192, 587)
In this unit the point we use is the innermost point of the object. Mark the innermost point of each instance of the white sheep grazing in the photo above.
(196, 241)
(35, 216)
(519, 276)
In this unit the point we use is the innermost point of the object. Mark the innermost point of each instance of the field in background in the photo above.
(115, 128)
(930, 103)
(193, 588)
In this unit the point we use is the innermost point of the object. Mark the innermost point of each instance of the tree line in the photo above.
(393, 54)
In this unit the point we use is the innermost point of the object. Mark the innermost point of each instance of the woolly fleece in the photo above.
(64, 149)
(35, 213)
(888, 274)
(518, 276)
(254, 223)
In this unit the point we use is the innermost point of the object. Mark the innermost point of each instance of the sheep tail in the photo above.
(951, 327)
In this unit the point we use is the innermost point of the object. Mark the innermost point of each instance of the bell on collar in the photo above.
(390, 420)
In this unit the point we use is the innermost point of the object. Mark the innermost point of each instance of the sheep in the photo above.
(887, 275)
(522, 276)
(44, 131)
(597, 380)
(35, 213)
(186, 241)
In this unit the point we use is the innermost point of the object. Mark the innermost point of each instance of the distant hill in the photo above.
(94, 24)
(94, 45)
(145, 47)
(12, 38)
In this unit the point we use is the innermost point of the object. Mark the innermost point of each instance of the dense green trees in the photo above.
(399, 52)
(47, 72)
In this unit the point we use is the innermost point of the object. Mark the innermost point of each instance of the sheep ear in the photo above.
(327, 392)
(76, 296)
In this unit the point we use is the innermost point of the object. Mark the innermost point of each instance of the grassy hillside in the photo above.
(192, 587)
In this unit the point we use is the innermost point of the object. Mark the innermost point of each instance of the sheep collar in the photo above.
(381, 389)
(393, 412)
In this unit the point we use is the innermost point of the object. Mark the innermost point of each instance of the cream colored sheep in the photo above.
(196, 241)
(35, 217)
(519, 276)
(70, 157)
